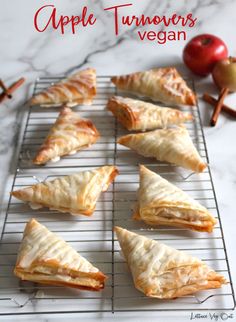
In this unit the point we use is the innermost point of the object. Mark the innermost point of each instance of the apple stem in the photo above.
(224, 92)
(206, 41)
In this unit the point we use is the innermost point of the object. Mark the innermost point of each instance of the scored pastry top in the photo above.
(160, 84)
(79, 88)
(173, 145)
(46, 258)
(139, 115)
(69, 134)
(41, 245)
(163, 272)
(76, 193)
(162, 203)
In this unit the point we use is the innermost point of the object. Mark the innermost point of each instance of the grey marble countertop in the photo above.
(25, 52)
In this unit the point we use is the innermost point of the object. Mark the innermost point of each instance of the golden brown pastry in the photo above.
(79, 88)
(173, 145)
(69, 134)
(162, 203)
(46, 258)
(138, 115)
(164, 272)
(160, 84)
(76, 193)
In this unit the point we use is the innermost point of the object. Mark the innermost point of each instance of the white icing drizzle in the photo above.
(34, 205)
(72, 152)
(79, 86)
(56, 159)
(43, 245)
(155, 189)
(69, 134)
(160, 84)
(77, 193)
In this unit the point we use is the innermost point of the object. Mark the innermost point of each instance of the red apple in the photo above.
(224, 74)
(202, 52)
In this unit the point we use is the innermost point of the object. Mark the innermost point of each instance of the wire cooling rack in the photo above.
(93, 236)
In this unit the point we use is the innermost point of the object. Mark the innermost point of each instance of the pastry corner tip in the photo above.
(192, 100)
(123, 139)
(141, 167)
(16, 193)
(92, 69)
(30, 103)
(114, 79)
(38, 160)
(189, 117)
(143, 170)
(111, 169)
(34, 100)
(115, 170)
(33, 221)
(202, 166)
(89, 69)
(136, 215)
(212, 224)
(117, 229)
(65, 108)
(15, 271)
(110, 103)
(30, 224)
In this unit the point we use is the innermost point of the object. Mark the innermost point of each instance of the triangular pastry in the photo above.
(164, 272)
(69, 134)
(138, 115)
(162, 203)
(79, 88)
(46, 258)
(173, 145)
(160, 84)
(76, 193)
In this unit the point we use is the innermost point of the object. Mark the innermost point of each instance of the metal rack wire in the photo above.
(93, 236)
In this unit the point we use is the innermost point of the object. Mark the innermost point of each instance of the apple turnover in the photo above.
(173, 145)
(79, 88)
(163, 272)
(76, 193)
(160, 84)
(162, 203)
(46, 258)
(136, 115)
(69, 134)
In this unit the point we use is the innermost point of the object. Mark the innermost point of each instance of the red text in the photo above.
(143, 20)
(62, 21)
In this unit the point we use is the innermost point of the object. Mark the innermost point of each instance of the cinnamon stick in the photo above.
(5, 90)
(224, 92)
(12, 89)
(212, 101)
(232, 59)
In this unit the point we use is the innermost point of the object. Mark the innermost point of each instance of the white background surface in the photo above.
(25, 52)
